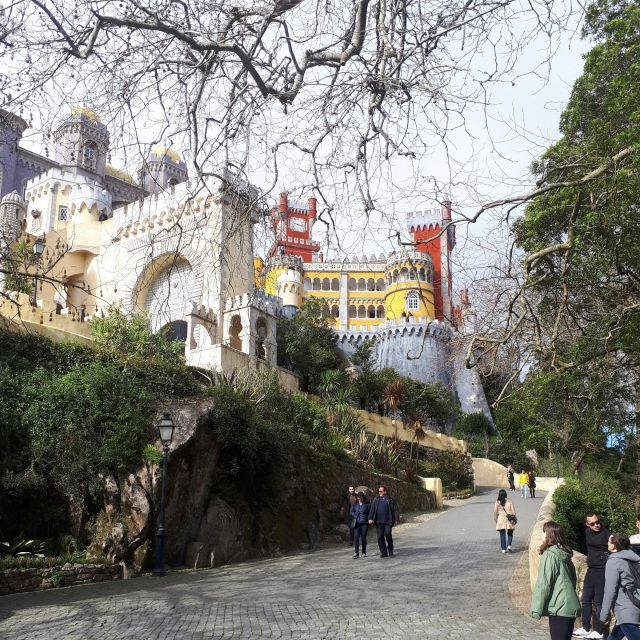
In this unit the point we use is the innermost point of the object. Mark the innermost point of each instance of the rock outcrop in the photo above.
(210, 519)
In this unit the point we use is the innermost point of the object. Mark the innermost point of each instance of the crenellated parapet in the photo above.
(409, 259)
(285, 260)
(258, 299)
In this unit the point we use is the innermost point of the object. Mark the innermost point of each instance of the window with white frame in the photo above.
(412, 301)
(63, 213)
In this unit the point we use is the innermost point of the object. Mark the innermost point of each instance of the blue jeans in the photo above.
(506, 538)
(524, 488)
(631, 631)
(360, 533)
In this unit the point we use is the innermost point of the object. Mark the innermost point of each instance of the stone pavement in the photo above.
(448, 580)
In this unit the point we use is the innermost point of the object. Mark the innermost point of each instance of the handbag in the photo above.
(352, 524)
(512, 519)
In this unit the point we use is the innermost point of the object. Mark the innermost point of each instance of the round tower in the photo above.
(163, 169)
(13, 213)
(82, 142)
(284, 279)
(409, 293)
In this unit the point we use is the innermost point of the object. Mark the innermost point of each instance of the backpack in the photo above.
(633, 590)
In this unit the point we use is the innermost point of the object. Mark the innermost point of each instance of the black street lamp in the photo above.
(165, 431)
(38, 249)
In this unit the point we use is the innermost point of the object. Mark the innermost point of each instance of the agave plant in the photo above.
(20, 547)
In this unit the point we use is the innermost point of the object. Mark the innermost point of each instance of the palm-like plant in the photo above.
(392, 397)
(415, 425)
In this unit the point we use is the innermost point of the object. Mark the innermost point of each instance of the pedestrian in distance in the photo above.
(504, 515)
(554, 594)
(635, 538)
(360, 520)
(351, 500)
(524, 484)
(619, 572)
(597, 540)
(511, 478)
(384, 514)
(532, 484)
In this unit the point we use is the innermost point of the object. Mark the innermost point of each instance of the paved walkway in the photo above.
(447, 581)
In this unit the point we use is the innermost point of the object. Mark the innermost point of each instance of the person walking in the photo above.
(504, 515)
(597, 540)
(554, 594)
(532, 484)
(618, 575)
(524, 484)
(351, 500)
(360, 518)
(511, 477)
(384, 514)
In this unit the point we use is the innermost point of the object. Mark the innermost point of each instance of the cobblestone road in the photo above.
(447, 581)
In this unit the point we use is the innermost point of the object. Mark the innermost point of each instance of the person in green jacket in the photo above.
(555, 592)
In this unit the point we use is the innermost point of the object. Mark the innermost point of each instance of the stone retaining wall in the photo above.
(21, 580)
(546, 513)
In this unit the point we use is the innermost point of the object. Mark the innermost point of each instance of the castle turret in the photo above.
(284, 279)
(409, 293)
(11, 129)
(434, 233)
(82, 142)
(163, 169)
(13, 212)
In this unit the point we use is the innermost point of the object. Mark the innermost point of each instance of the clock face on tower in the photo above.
(297, 224)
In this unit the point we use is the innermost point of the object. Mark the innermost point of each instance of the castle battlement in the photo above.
(286, 260)
(258, 299)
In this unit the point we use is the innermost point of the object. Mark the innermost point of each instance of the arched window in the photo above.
(307, 284)
(371, 284)
(412, 301)
(326, 284)
(335, 311)
(353, 313)
(396, 275)
(412, 275)
(352, 284)
(371, 311)
(380, 311)
(326, 312)
(235, 328)
(335, 284)
(90, 155)
(380, 284)
(262, 331)
(362, 311)
(422, 275)
(404, 274)
(362, 284)
(317, 285)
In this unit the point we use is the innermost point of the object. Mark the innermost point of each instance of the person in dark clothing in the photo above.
(532, 484)
(351, 500)
(511, 478)
(360, 515)
(597, 539)
(384, 514)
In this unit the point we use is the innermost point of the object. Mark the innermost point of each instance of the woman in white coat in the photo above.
(504, 515)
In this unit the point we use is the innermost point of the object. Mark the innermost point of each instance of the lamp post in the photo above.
(38, 249)
(165, 431)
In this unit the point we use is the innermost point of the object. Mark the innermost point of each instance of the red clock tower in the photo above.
(293, 223)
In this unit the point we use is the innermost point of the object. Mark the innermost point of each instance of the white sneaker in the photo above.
(594, 635)
(509, 548)
(580, 633)
(504, 551)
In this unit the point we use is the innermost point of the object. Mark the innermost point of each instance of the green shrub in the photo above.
(592, 491)
(452, 467)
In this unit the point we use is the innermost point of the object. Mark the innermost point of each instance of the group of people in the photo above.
(612, 570)
(383, 513)
(526, 481)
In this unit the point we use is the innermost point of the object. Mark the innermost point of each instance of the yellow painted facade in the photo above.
(357, 296)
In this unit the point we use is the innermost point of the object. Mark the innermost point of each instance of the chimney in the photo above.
(321, 257)
(446, 207)
(283, 206)
(313, 204)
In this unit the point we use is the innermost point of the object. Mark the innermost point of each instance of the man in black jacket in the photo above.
(384, 514)
(597, 537)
